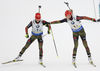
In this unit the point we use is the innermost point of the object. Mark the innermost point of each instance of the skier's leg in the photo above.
(75, 38)
(40, 42)
(83, 37)
(87, 48)
(30, 40)
(86, 45)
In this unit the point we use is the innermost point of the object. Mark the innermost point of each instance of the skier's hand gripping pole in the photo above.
(54, 43)
(27, 35)
(67, 5)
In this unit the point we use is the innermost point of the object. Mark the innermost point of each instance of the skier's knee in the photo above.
(83, 39)
(40, 49)
(29, 41)
(75, 38)
(40, 41)
(75, 49)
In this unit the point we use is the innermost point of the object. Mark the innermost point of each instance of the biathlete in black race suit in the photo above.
(78, 30)
(37, 31)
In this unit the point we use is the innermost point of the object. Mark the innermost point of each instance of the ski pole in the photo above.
(54, 43)
(44, 35)
(67, 5)
(39, 8)
(94, 9)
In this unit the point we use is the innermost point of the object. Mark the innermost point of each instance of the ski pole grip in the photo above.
(39, 6)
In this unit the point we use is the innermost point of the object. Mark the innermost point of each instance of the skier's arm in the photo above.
(26, 29)
(28, 26)
(59, 21)
(47, 24)
(86, 18)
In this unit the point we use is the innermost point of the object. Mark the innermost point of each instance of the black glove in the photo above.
(48, 31)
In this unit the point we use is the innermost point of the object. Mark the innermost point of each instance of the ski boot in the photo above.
(40, 61)
(90, 59)
(17, 58)
(91, 62)
(74, 60)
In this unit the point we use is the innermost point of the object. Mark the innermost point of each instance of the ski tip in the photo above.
(44, 66)
(93, 64)
(3, 63)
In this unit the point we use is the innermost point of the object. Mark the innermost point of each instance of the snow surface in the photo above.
(16, 14)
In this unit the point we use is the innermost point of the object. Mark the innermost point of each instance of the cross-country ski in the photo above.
(11, 61)
(41, 63)
(74, 65)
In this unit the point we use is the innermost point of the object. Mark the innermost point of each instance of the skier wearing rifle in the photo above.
(37, 31)
(78, 30)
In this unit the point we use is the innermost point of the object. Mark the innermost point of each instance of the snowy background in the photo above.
(15, 15)
(99, 8)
